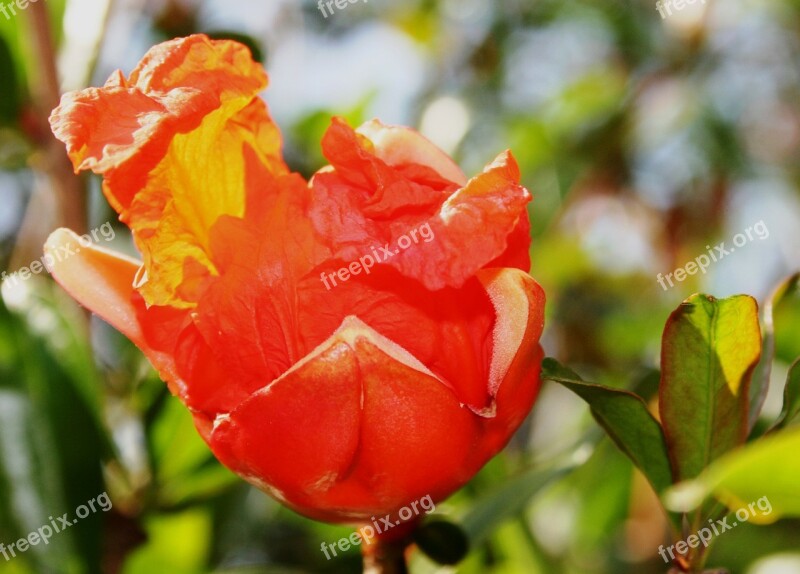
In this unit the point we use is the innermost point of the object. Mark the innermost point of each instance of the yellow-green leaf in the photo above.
(768, 468)
(709, 350)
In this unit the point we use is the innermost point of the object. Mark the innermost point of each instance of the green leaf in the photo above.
(507, 501)
(68, 343)
(760, 384)
(50, 449)
(791, 398)
(625, 418)
(29, 477)
(708, 352)
(768, 468)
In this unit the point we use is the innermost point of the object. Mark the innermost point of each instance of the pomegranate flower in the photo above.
(348, 344)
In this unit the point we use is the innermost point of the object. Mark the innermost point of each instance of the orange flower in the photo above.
(348, 344)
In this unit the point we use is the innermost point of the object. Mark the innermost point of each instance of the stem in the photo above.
(383, 556)
(69, 189)
(45, 84)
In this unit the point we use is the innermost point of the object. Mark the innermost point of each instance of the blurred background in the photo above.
(644, 140)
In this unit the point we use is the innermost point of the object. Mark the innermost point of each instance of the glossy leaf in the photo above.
(709, 350)
(625, 418)
(767, 468)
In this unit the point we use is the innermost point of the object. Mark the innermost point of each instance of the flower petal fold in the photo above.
(514, 382)
(345, 425)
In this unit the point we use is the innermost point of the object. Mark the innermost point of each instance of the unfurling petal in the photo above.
(102, 281)
(366, 201)
(170, 142)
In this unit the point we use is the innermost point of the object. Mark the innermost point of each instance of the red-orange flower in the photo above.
(344, 387)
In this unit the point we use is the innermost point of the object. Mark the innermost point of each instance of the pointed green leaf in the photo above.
(760, 384)
(768, 468)
(625, 418)
(708, 352)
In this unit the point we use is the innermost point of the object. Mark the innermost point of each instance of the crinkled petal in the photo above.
(400, 147)
(364, 202)
(249, 316)
(170, 142)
